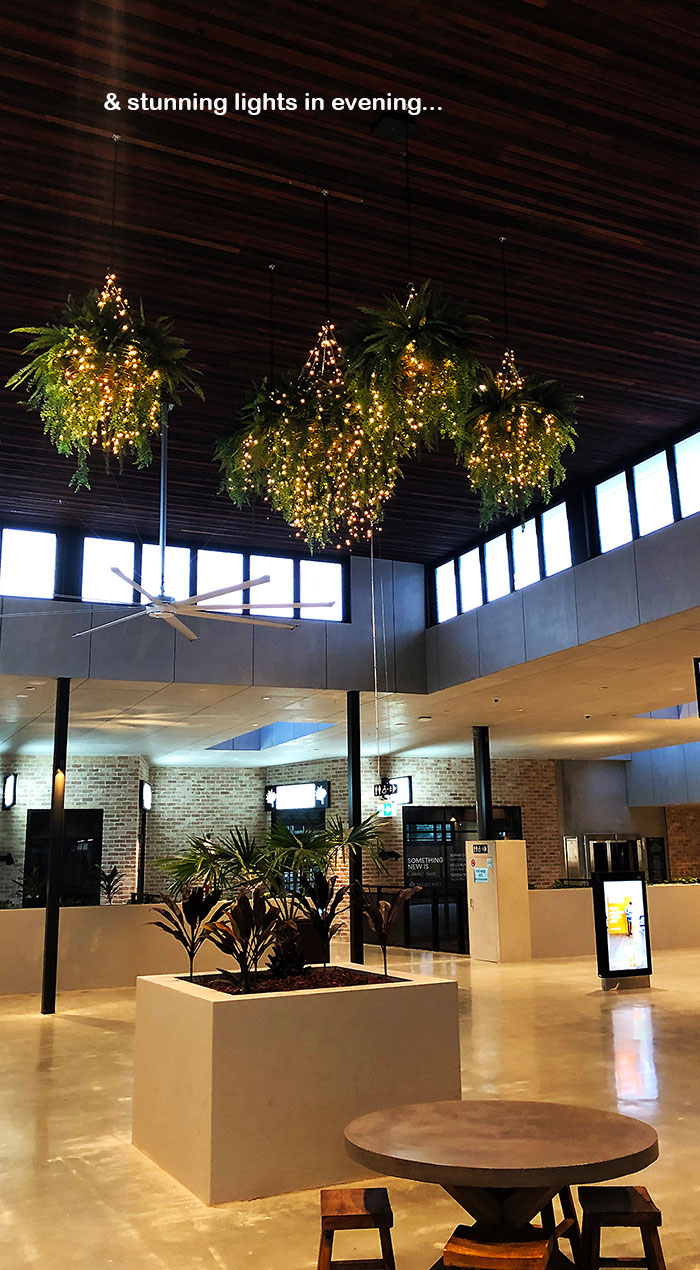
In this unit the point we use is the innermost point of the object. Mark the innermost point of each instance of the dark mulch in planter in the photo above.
(314, 977)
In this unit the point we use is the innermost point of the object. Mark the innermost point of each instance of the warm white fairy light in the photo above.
(516, 450)
(329, 476)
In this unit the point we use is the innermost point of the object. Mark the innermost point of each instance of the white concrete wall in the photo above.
(562, 921)
(100, 947)
(109, 947)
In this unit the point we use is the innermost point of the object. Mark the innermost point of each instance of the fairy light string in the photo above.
(312, 450)
(100, 375)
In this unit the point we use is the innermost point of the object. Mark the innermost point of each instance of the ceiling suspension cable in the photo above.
(504, 278)
(326, 197)
(386, 665)
(409, 224)
(375, 648)
(116, 139)
(272, 323)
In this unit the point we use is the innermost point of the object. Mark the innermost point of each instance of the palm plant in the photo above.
(364, 838)
(320, 903)
(186, 921)
(246, 931)
(381, 914)
(110, 882)
(222, 864)
(293, 858)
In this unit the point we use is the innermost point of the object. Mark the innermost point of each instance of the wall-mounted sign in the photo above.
(621, 925)
(480, 848)
(385, 809)
(299, 797)
(657, 867)
(9, 791)
(481, 875)
(399, 790)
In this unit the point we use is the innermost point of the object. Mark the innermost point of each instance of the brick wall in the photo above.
(335, 771)
(195, 801)
(527, 783)
(111, 783)
(530, 784)
(683, 832)
(200, 800)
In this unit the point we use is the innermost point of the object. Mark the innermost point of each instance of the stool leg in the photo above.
(388, 1250)
(568, 1208)
(325, 1252)
(652, 1248)
(590, 1244)
(549, 1225)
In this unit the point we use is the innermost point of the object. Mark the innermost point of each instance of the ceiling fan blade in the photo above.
(226, 590)
(136, 585)
(174, 621)
(117, 622)
(298, 604)
(229, 617)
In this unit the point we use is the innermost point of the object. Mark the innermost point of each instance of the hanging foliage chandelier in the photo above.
(415, 362)
(515, 433)
(100, 376)
(308, 449)
(514, 437)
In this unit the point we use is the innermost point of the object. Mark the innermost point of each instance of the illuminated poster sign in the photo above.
(621, 925)
(397, 790)
(299, 797)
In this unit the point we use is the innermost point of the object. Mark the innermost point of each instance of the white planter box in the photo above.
(247, 1096)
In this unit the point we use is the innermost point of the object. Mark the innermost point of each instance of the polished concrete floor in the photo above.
(75, 1195)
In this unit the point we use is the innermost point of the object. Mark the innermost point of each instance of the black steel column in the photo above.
(357, 948)
(482, 777)
(69, 564)
(141, 872)
(56, 837)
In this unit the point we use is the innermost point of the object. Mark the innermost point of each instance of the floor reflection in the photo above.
(633, 1050)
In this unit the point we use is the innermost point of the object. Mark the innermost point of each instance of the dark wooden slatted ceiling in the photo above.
(572, 128)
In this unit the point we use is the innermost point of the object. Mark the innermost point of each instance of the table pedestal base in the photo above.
(503, 1216)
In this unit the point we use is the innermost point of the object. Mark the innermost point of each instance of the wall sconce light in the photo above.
(145, 796)
(9, 791)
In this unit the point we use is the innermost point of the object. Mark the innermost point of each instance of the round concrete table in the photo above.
(501, 1160)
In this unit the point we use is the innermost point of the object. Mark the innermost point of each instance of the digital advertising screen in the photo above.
(621, 925)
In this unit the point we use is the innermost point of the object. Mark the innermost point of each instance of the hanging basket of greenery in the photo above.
(307, 447)
(513, 438)
(100, 376)
(414, 362)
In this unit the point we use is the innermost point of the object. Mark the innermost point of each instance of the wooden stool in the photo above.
(356, 1209)
(568, 1228)
(464, 1251)
(607, 1207)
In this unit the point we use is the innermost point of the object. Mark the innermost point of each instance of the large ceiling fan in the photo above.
(172, 611)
